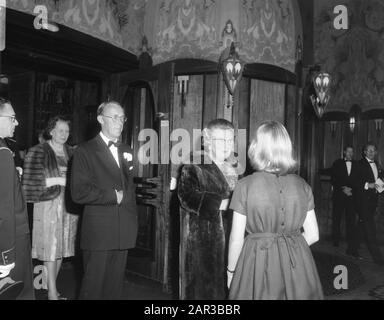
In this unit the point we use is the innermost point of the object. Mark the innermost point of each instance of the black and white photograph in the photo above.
(191, 155)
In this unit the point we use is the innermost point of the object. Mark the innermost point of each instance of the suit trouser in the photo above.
(104, 273)
(23, 267)
(368, 218)
(342, 204)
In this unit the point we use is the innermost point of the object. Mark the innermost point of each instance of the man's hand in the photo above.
(371, 186)
(119, 195)
(347, 191)
(224, 205)
(5, 270)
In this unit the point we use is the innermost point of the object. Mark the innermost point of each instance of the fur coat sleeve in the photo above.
(40, 163)
(199, 193)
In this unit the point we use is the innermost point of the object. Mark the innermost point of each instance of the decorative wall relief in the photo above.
(131, 15)
(267, 32)
(119, 22)
(186, 29)
(354, 57)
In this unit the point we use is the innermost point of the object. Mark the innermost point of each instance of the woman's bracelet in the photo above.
(230, 271)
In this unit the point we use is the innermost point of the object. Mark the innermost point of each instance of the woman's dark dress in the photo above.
(276, 262)
(201, 190)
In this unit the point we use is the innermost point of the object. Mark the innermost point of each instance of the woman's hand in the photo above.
(224, 205)
(5, 270)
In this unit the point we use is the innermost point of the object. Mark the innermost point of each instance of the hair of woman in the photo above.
(271, 149)
(52, 124)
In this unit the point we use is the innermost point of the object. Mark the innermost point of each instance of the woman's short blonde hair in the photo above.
(271, 149)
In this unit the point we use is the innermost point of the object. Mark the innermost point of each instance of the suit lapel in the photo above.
(370, 170)
(122, 165)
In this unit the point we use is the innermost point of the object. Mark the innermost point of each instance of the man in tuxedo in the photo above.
(15, 246)
(343, 201)
(102, 181)
(364, 181)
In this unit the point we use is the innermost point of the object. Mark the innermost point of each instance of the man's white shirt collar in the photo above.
(112, 149)
(106, 140)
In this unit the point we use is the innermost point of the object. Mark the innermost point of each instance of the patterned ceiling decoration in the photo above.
(265, 31)
(186, 29)
(119, 22)
(354, 57)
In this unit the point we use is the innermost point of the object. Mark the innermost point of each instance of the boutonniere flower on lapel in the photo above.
(129, 158)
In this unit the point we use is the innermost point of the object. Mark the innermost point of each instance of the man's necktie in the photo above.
(111, 143)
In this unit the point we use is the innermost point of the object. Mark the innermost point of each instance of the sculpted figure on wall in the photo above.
(228, 36)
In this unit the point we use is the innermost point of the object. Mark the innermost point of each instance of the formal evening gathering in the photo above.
(192, 150)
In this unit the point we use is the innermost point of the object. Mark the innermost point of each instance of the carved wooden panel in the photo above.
(189, 116)
(210, 98)
(267, 103)
(333, 142)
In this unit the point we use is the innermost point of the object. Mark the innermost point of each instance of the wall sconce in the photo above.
(232, 69)
(321, 83)
(333, 128)
(354, 117)
(299, 49)
(352, 124)
(2, 24)
(183, 91)
(378, 123)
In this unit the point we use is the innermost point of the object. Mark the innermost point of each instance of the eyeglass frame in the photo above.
(116, 118)
(224, 140)
(13, 118)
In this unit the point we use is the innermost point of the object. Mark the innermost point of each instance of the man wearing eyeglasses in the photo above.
(102, 181)
(15, 247)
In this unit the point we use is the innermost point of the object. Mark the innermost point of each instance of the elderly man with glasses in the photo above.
(102, 181)
(16, 277)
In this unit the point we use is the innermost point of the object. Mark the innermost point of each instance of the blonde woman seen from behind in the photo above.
(273, 206)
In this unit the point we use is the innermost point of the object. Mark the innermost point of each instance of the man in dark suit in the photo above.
(365, 186)
(102, 181)
(15, 246)
(343, 201)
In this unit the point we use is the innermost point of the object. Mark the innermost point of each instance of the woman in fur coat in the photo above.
(204, 189)
(44, 184)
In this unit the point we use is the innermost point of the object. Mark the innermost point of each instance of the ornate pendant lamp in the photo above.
(232, 69)
(322, 83)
